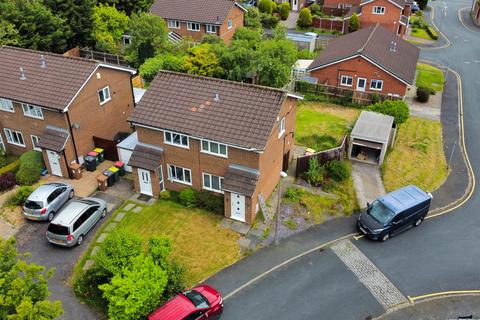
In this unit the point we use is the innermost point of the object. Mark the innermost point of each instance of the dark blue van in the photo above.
(394, 213)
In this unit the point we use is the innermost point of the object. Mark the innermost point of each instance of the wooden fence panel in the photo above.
(323, 157)
(109, 147)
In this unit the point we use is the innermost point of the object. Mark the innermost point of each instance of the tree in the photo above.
(354, 23)
(284, 10)
(149, 36)
(423, 4)
(129, 6)
(149, 69)
(250, 35)
(136, 290)
(78, 14)
(201, 60)
(252, 18)
(8, 34)
(109, 25)
(397, 109)
(37, 27)
(24, 287)
(265, 6)
(304, 18)
(274, 61)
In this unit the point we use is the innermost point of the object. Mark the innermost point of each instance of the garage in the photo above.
(371, 136)
(125, 149)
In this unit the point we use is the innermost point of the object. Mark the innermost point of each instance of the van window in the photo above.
(380, 212)
(57, 229)
(194, 316)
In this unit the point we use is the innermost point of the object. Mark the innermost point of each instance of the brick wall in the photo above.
(389, 20)
(359, 68)
(476, 12)
(336, 3)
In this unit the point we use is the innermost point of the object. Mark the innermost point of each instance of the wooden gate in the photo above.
(109, 146)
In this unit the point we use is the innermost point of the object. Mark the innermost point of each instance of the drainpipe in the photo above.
(66, 163)
(73, 138)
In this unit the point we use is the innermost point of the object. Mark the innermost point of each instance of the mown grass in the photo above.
(417, 157)
(421, 33)
(429, 77)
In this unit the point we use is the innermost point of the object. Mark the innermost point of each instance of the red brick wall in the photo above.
(336, 3)
(359, 68)
(389, 20)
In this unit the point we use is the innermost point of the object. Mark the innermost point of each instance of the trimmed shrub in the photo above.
(269, 21)
(433, 34)
(397, 109)
(86, 287)
(337, 170)
(354, 23)
(423, 94)
(188, 197)
(284, 10)
(7, 181)
(174, 196)
(265, 6)
(211, 201)
(31, 166)
(20, 196)
(252, 18)
(274, 7)
(304, 18)
(316, 9)
(165, 195)
(12, 167)
(315, 173)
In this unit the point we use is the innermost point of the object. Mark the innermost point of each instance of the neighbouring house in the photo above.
(212, 134)
(476, 12)
(371, 60)
(394, 15)
(58, 105)
(197, 18)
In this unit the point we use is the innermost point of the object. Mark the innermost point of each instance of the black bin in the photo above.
(90, 163)
(110, 177)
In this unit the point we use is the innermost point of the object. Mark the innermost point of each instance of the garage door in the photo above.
(124, 156)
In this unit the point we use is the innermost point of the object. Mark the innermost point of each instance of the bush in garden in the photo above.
(284, 10)
(20, 196)
(7, 181)
(304, 18)
(86, 287)
(314, 173)
(275, 7)
(210, 201)
(354, 23)
(316, 9)
(188, 197)
(397, 109)
(269, 21)
(265, 6)
(31, 166)
(252, 18)
(293, 193)
(423, 94)
(337, 170)
(165, 195)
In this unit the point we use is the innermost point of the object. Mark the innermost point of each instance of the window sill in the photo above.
(102, 103)
(176, 145)
(180, 181)
(215, 154)
(33, 117)
(347, 85)
(11, 111)
(16, 144)
(375, 89)
(281, 134)
(213, 190)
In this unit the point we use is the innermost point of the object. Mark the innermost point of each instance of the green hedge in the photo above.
(12, 167)
(31, 166)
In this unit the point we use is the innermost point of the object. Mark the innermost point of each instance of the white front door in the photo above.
(361, 84)
(145, 182)
(54, 161)
(294, 5)
(237, 206)
(160, 178)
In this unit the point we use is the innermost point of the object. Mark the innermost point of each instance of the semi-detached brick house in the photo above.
(213, 134)
(371, 60)
(56, 104)
(393, 15)
(197, 18)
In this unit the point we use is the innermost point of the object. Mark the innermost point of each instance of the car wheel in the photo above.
(71, 194)
(50, 216)
(104, 213)
(385, 237)
(418, 222)
(79, 240)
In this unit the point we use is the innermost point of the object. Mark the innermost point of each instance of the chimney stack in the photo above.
(43, 62)
(22, 74)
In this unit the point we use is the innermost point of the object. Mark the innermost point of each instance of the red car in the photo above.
(201, 302)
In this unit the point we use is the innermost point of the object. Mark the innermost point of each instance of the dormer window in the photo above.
(173, 24)
(32, 111)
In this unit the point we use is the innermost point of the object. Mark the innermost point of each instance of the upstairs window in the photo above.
(346, 81)
(230, 24)
(174, 24)
(214, 148)
(378, 10)
(193, 26)
(281, 128)
(104, 95)
(32, 111)
(175, 139)
(376, 85)
(211, 28)
(6, 105)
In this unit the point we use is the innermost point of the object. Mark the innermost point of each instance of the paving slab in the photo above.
(110, 226)
(137, 209)
(110, 207)
(102, 237)
(226, 223)
(88, 264)
(255, 232)
(240, 227)
(119, 216)
(129, 206)
(94, 251)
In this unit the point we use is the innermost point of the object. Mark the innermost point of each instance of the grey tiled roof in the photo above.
(203, 11)
(53, 138)
(243, 115)
(240, 181)
(146, 157)
(373, 43)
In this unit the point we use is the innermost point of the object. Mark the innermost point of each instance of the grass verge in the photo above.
(421, 33)
(429, 77)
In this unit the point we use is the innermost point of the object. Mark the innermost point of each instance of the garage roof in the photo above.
(372, 126)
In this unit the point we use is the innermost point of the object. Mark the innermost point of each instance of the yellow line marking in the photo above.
(443, 293)
(433, 23)
(460, 17)
(410, 299)
(358, 237)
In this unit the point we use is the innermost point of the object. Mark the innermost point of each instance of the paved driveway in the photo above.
(31, 238)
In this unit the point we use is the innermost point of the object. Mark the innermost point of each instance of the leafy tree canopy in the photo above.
(109, 25)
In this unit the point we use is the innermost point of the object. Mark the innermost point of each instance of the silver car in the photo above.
(47, 200)
(75, 220)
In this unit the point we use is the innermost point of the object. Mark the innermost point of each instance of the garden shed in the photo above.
(372, 134)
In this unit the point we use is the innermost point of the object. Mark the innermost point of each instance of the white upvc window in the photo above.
(179, 174)
(346, 81)
(176, 139)
(6, 105)
(378, 10)
(281, 127)
(211, 28)
(14, 137)
(35, 142)
(104, 95)
(193, 26)
(376, 85)
(229, 24)
(32, 111)
(173, 24)
(212, 182)
(214, 148)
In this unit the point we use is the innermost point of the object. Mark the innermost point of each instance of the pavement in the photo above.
(291, 22)
(367, 180)
(430, 110)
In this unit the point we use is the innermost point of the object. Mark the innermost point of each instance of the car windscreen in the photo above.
(56, 229)
(29, 204)
(198, 300)
(380, 212)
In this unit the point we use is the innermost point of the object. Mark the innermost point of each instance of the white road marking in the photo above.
(369, 275)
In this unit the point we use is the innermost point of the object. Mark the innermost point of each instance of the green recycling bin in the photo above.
(101, 154)
(115, 171)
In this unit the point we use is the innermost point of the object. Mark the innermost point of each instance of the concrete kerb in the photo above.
(460, 17)
(446, 45)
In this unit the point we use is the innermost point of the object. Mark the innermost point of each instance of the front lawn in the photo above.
(199, 242)
(429, 77)
(417, 157)
(421, 33)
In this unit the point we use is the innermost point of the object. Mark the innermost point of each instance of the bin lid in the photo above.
(107, 173)
(113, 169)
(93, 153)
(89, 158)
(99, 150)
(119, 164)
